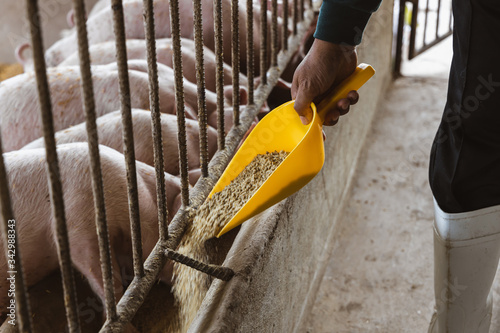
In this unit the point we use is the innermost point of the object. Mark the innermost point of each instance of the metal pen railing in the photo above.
(146, 273)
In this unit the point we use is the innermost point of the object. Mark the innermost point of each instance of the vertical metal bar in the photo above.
(285, 25)
(302, 10)
(52, 165)
(399, 38)
(200, 80)
(425, 22)
(219, 75)
(413, 32)
(235, 57)
(295, 16)
(437, 18)
(250, 52)
(95, 161)
(156, 129)
(179, 96)
(274, 33)
(263, 41)
(14, 266)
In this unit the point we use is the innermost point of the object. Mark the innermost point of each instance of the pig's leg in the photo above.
(85, 257)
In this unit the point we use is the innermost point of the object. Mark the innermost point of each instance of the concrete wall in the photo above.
(280, 256)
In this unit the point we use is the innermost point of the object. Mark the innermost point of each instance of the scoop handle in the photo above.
(356, 80)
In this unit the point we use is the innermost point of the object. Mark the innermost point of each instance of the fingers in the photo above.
(342, 108)
(303, 109)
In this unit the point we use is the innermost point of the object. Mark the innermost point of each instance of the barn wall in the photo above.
(280, 256)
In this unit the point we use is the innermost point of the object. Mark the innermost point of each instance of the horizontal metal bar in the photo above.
(219, 272)
(416, 52)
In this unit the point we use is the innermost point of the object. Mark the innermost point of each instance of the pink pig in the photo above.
(105, 53)
(100, 28)
(20, 119)
(109, 129)
(35, 223)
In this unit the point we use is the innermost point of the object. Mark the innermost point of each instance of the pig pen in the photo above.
(271, 272)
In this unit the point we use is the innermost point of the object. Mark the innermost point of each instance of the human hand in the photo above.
(324, 67)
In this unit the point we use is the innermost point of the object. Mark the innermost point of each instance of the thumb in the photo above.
(302, 105)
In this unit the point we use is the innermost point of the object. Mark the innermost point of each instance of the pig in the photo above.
(100, 28)
(19, 117)
(105, 53)
(35, 223)
(109, 129)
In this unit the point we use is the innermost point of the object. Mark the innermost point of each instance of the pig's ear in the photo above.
(19, 53)
(228, 95)
(70, 18)
(243, 96)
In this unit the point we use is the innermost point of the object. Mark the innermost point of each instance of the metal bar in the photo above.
(414, 16)
(235, 58)
(179, 96)
(95, 160)
(274, 33)
(437, 18)
(200, 80)
(285, 25)
(428, 46)
(295, 16)
(135, 294)
(156, 129)
(302, 10)
(52, 167)
(399, 39)
(425, 22)
(11, 245)
(219, 75)
(219, 272)
(250, 52)
(263, 41)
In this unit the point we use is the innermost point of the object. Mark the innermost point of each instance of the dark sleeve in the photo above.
(343, 21)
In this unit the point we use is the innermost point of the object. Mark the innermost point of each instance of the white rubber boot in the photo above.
(466, 253)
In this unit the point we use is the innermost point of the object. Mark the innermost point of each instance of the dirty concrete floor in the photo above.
(380, 274)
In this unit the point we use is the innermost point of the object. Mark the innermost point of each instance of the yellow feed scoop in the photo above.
(282, 129)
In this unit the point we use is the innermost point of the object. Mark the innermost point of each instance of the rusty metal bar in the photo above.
(135, 294)
(179, 96)
(52, 166)
(156, 132)
(250, 52)
(263, 41)
(219, 75)
(219, 272)
(274, 33)
(95, 160)
(295, 16)
(12, 252)
(235, 58)
(285, 25)
(200, 81)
